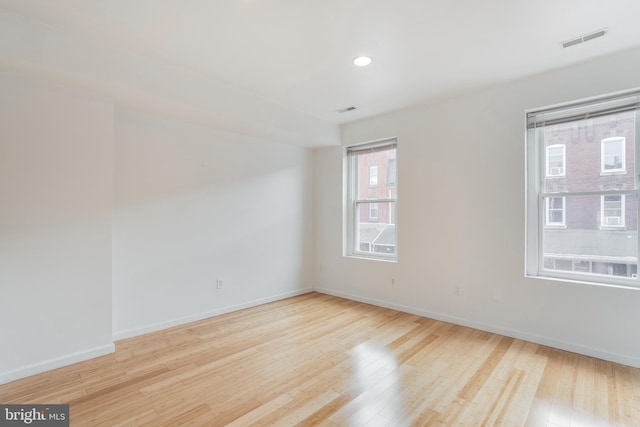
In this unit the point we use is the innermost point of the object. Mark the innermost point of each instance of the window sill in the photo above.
(616, 285)
(372, 258)
(614, 172)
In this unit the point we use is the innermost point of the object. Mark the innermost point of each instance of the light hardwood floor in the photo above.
(321, 360)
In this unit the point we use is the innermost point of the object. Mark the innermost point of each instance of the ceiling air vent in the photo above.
(584, 38)
(344, 110)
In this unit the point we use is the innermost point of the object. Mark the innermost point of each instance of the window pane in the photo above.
(373, 175)
(564, 264)
(555, 211)
(555, 160)
(376, 236)
(556, 217)
(613, 154)
(619, 269)
(600, 235)
(612, 211)
(597, 156)
(373, 212)
(583, 266)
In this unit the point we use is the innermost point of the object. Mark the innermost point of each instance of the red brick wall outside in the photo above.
(582, 140)
(383, 190)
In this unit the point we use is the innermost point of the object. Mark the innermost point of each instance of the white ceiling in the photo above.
(298, 53)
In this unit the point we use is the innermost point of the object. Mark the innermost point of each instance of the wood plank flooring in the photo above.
(320, 360)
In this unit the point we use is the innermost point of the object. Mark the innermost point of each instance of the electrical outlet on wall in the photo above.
(219, 284)
(458, 289)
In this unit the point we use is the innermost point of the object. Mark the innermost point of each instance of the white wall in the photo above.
(193, 205)
(461, 219)
(56, 175)
(114, 223)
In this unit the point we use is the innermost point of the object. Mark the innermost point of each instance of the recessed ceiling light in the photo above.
(362, 61)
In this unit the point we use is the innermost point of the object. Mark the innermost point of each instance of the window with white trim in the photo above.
(371, 209)
(613, 155)
(584, 227)
(373, 212)
(555, 212)
(555, 159)
(373, 176)
(612, 211)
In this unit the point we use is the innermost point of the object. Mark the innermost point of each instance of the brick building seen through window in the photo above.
(377, 180)
(591, 234)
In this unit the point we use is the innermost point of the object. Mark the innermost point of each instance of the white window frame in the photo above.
(352, 204)
(548, 223)
(536, 174)
(623, 143)
(604, 220)
(550, 173)
(373, 207)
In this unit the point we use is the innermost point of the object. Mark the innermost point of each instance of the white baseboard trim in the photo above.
(525, 336)
(58, 362)
(129, 333)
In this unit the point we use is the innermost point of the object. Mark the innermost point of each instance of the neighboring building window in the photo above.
(583, 227)
(555, 159)
(373, 176)
(612, 211)
(371, 212)
(612, 157)
(555, 212)
(612, 268)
